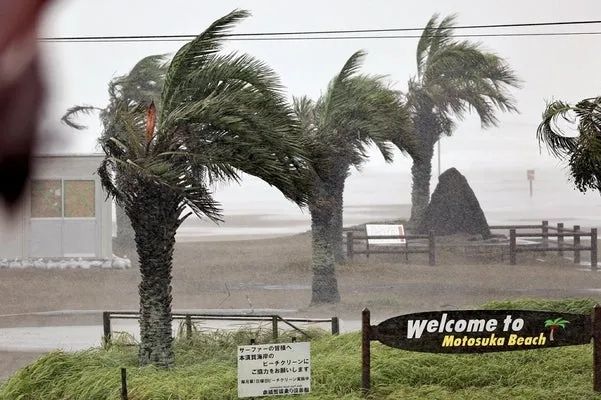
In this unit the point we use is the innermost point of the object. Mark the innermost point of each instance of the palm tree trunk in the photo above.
(155, 220)
(324, 288)
(337, 193)
(421, 172)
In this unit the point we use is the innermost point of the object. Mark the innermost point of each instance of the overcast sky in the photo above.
(550, 67)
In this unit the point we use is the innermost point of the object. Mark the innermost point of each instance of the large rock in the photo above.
(454, 208)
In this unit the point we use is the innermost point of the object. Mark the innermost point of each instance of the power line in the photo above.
(168, 39)
(123, 38)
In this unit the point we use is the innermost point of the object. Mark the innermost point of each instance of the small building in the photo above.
(64, 214)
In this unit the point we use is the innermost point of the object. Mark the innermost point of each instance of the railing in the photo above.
(561, 247)
(188, 319)
(351, 238)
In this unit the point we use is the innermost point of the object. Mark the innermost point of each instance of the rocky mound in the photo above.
(454, 208)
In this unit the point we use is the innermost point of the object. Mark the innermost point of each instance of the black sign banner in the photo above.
(483, 331)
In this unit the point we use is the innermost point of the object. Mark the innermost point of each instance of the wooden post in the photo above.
(349, 245)
(123, 384)
(560, 238)
(106, 327)
(365, 351)
(512, 247)
(597, 348)
(576, 244)
(335, 326)
(545, 231)
(274, 327)
(431, 249)
(594, 249)
(188, 327)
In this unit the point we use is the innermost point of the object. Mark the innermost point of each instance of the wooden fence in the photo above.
(351, 238)
(542, 231)
(560, 232)
(188, 319)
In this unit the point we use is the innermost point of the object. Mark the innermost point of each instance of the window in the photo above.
(63, 199)
(46, 199)
(79, 199)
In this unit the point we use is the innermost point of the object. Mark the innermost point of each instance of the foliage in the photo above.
(535, 374)
(582, 151)
(455, 77)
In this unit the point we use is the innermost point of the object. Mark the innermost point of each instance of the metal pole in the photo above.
(274, 327)
(365, 351)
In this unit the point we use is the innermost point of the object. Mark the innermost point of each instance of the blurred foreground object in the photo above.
(21, 93)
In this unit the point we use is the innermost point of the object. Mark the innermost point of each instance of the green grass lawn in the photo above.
(206, 369)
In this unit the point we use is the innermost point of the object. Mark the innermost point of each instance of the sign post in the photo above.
(482, 331)
(530, 174)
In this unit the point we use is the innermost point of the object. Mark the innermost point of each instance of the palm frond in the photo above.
(193, 55)
(72, 112)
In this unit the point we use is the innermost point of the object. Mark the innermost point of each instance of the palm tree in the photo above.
(554, 324)
(218, 115)
(453, 78)
(141, 86)
(355, 111)
(583, 151)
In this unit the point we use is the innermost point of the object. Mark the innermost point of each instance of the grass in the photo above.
(206, 369)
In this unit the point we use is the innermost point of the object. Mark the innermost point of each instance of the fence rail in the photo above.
(188, 319)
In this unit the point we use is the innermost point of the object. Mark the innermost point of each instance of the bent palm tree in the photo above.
(218, 115)
(583, 151)
(141, 86)
(355, 112)
(453, 78)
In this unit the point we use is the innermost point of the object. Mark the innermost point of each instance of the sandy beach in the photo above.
(275, 273)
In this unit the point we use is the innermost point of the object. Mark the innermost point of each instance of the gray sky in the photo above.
(551, 67)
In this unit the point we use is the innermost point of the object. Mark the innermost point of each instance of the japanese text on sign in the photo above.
(274, 369)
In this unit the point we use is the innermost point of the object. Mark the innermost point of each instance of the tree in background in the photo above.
(140, 87)
(355, 112)
(453, 78)
(582, 152)
(218, 115)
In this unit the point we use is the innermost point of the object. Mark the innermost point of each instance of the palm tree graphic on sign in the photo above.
(555, 324)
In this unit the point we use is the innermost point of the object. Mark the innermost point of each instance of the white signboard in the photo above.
(385, 230)
(274, 369)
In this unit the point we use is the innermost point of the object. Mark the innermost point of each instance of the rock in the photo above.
(454, 208)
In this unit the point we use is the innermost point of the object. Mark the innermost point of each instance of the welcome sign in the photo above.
(482, 331)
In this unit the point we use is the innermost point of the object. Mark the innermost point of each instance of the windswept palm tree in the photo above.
(355, 112)
(582, 151)
(140, 87)
(218, 115)
(453, 78)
